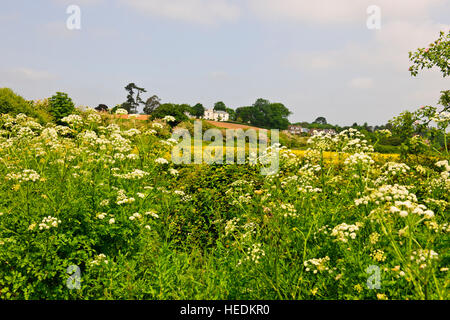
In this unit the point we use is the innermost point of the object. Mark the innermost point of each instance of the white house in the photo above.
(210, 114)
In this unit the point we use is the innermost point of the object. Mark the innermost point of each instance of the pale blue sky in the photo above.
(316, 57)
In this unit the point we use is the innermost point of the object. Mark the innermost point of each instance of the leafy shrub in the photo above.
(387, 149)
(61, 105)
(14, 104)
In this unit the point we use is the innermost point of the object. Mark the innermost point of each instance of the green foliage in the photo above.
(170, 109)
(151, 104)
(387, 149)
(198, 110)
(139, 228)
(264, 114)
(14, 104)
(133, 101)
(436, 55)
(60, 106)
(220, 106)
(320, 120)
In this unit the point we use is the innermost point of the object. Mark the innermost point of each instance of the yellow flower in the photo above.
(358, 288)
(381, 296)
(314, 291)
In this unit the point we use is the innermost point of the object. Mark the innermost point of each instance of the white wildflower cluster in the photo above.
(184, 197)
(157, 125)
(231, 226)
(404, 208)
(374, 237)
(445, 166)
(378, 255)
(152, 214)
(442, 117)
(131, 132)
(384, 132)
(169, 142)
(50, 134)
(395, 168)
(121, 111)
(242, 199)
(288, 210)
(423, 256)
(150, 132)
(123, 199)
(120, 143)
(316, 265)
(101, 258)
(101, 216)
(73, 120)
(24, 176)
(240, 184)
(135, 216)
(161, 161)
(88, 136)
(94, 117)
(24, 133)
(359, 159)
(63, 130)
(132, 156)
(169, 119)
(443, 181)
(309, 189)
(436, 227)
(268, 155)
(255, 253)
(307, 174)
(344, 232)
(49, 222)
(350, 140)
(321, 141)
(133, 175)
(387, 193)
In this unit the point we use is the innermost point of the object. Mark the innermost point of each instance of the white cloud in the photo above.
(361, 83)
(31, 74)
(197, 11)
(312, 60)
(342, 11)
(387, 50)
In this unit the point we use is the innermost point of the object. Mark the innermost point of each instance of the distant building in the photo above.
(210, 114)
(295, 129)
(327, 131)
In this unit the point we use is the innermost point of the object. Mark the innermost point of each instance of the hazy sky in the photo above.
(317, 57)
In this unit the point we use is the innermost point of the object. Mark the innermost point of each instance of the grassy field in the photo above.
(97, 211)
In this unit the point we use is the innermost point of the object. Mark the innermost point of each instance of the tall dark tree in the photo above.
(265, 114)
(320, 120)
(132, 103)
(232, 113)
(61, 105)
(102, 108)
(220, 106)
(198, 110)
(170, 109)
(151, 104)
